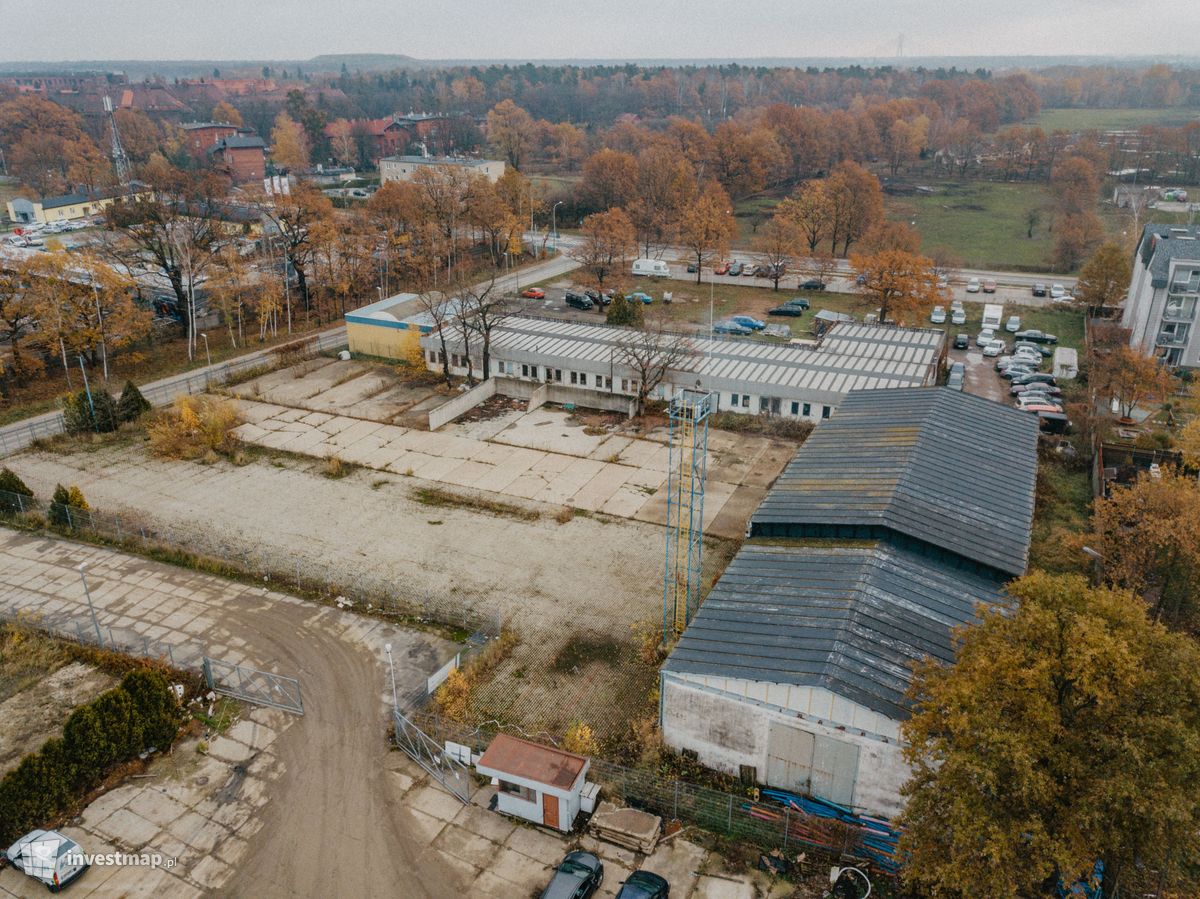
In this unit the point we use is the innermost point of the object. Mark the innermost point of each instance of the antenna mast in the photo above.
(120, 160)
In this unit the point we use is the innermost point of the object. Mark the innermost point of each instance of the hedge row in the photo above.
(140, 713)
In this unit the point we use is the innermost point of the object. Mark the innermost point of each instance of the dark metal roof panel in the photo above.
(941, 466)
(851, 619)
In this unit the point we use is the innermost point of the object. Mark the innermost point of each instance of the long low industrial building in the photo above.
(891, 524)
(746, 375)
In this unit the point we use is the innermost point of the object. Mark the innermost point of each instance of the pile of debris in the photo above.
(626, 827)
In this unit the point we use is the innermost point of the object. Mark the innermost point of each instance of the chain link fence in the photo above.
(768, 826)
(22, 435)
(365, 590)
(90, 632)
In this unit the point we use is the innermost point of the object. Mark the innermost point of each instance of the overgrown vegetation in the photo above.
(140, 714)
(1060, 518)
(769, 425)
(195, 427)
(454, 696)
(441, 498)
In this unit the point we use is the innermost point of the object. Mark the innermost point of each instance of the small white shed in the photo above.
(537, 783)
(1066, 363)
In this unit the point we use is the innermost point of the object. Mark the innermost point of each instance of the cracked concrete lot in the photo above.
(258, 815)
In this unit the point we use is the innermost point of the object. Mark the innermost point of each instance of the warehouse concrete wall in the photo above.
(464, 402)
(727, 731)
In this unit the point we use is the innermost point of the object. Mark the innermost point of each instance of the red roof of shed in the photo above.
(532, 761)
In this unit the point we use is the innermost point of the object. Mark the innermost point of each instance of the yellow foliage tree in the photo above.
(454, 695)
(579, 739)
(289, 147)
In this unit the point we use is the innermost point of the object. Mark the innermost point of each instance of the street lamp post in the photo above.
(207, 354)
(88, 593)
(387, 647)
(554, 223)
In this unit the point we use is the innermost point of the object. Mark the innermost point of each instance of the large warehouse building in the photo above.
(891, 523)
(747, 375)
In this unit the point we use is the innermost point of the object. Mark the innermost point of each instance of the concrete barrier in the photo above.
(537, 399)
(464, 402)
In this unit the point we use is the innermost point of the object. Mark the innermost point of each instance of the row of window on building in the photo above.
(773, 405)
(767, 405)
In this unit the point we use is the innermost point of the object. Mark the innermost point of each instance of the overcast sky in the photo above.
(533, 29)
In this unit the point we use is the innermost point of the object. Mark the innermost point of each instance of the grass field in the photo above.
(1110, 119)
(982, 222)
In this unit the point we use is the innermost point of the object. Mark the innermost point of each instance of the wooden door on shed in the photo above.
(789, 757)
(550, 810)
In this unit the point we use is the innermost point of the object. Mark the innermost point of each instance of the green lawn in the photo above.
(982, 222)
(1110, 119)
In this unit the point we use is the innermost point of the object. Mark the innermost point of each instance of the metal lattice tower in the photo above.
(120, 160)
(688, 442)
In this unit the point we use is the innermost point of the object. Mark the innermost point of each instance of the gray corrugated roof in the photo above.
(939, 466)
(850, 619)
(1163, 243)
(239, 142)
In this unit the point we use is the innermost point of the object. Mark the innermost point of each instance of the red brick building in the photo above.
(200, 137)
(243, 157)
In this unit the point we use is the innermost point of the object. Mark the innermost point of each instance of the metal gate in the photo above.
(252, 685)
(425, 751)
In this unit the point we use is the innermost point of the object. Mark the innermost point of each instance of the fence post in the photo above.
(729, 821)
(70, 518)
(208, 678)
(787, 825)
(675, 810)
(170, 654)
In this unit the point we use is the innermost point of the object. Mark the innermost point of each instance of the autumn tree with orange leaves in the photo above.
(902, 285)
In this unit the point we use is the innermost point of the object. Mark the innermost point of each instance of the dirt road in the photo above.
(333, 825)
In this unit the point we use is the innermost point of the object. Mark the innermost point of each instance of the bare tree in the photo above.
(651, 353)
(434, 304)
(483, 307)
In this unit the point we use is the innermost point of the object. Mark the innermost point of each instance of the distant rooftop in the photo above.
(440, 160)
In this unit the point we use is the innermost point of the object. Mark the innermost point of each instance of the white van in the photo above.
(48, 856)
(654, 268)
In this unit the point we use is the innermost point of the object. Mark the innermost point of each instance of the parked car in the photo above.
(1033, 362)
(1036, 347)
(1013, 324)
(1036, 377)
(644, 298)
(989, 286)
(795, 311)
(598, 298)
(861, 279)
(730, 327)
(692, 268)
(644, 885)
(49, 857)
(958, 317)
(973, 286)
(994, 348)
(1037, 396)
(721, 268)
(1042, 408)
(1057, 291)
(938, 316)
(1039, 289)
(1035, 336)
(812, 284)
(958, 374)
(1048, 389)
(750, 270)
(735, 269)
(579, 300)
(962, 342)
(800, 302)
(748, 321)
(533, 293)
(577, 876)
(984, 337)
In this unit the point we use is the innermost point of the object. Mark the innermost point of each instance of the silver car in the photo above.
(48, 856)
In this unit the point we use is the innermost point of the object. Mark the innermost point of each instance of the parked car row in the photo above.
(1032, 390)
(581, 873)
(794, 307)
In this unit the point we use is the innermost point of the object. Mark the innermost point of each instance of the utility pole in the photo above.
(387, 647)
(91, 405)
(88, 593)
